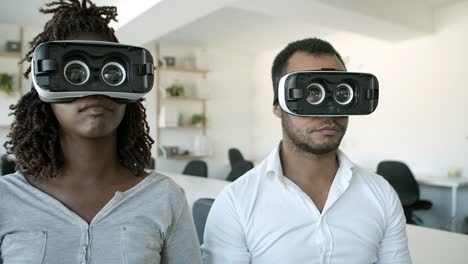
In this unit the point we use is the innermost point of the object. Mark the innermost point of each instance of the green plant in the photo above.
(175, 89)
(198, 119)
(6, 83)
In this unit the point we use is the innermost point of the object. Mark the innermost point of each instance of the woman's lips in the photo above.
(95, 110)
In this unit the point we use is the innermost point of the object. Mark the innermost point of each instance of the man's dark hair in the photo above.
(313, 46)
(34, 136)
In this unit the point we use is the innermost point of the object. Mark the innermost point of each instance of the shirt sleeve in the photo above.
(181, 245)
(394, 246)
(224, 237)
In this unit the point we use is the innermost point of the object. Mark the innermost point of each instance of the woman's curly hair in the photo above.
(34, 136)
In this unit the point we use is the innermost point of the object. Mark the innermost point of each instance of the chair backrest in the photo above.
(401, 179)
(201, 208)
(196, 168)
(234, 156)
(152, 164)
(8, 166)
(239, 169)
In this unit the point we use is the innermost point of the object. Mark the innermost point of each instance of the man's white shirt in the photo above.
(264, 218)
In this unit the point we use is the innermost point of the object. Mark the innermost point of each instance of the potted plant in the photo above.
(176, 89)
(6, 83)
(198, 120)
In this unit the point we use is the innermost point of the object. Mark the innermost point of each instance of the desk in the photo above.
(454, 184)
(197, 187)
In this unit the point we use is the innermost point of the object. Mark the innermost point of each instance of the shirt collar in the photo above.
(273, 163)
(274, 169)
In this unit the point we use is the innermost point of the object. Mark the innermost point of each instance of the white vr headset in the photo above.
(65, 70)
(328, 93)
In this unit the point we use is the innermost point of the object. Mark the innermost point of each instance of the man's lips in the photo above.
(328, 130)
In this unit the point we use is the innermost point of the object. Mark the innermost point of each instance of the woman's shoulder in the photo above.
(163, 186)
(9, 181)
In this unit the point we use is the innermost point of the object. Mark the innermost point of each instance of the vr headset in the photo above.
(328, 93)
(66, 70)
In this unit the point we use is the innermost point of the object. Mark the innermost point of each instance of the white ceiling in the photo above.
(237, 29)
(26, 12)
(260, 24)
(250, 24)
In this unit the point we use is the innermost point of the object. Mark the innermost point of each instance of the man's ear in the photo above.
(277, 110)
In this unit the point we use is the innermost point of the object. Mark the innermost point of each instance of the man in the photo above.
(307, 202)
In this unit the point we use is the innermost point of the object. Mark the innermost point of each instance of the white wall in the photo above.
(422, 113)
(228, 88)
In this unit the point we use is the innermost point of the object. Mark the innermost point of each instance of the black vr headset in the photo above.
(65, 70)
(328, 93)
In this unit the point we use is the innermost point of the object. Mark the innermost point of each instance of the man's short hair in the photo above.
(313, 46)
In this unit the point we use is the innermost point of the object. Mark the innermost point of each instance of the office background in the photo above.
(416, 48)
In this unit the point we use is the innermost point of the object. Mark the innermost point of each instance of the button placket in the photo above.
(328, 243)
(85, 246)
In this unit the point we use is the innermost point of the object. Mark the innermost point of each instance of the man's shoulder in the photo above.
(246, 182)
(372, 181)
(369, 178)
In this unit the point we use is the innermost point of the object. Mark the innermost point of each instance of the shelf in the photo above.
(16, 55)
(184, 127)
(186, 70)
(182, 98)
(182, 157)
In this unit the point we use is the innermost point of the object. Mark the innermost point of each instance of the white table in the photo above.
(453, 183)
(197, 187)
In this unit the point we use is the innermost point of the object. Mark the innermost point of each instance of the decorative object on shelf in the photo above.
(160, 64)
(13, 46)
(181, 120)
(188, 62)
(201, 146)
(6, 83)
(198, 120)
(169, 117)
(175, 89)
(170, 61)
(169, 151)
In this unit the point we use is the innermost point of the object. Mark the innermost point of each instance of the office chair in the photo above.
(402, 180)
(234, 156)
(200, 210)
(152, 164)
(196, 168)
(8, 166)
(239, 169)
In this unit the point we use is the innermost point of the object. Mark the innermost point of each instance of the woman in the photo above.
(81, 194)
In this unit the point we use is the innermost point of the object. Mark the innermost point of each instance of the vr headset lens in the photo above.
(76, 72)
(328, 93)
(316, 94)
(344, 94)
(65, 70)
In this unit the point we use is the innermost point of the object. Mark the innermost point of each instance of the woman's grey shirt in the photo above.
(150, 223)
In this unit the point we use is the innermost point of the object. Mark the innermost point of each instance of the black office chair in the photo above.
(234, 156)
(196, 168)
(152, 164)
(239, 169)
(8, 166)
(402, 180)
(200, 210)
